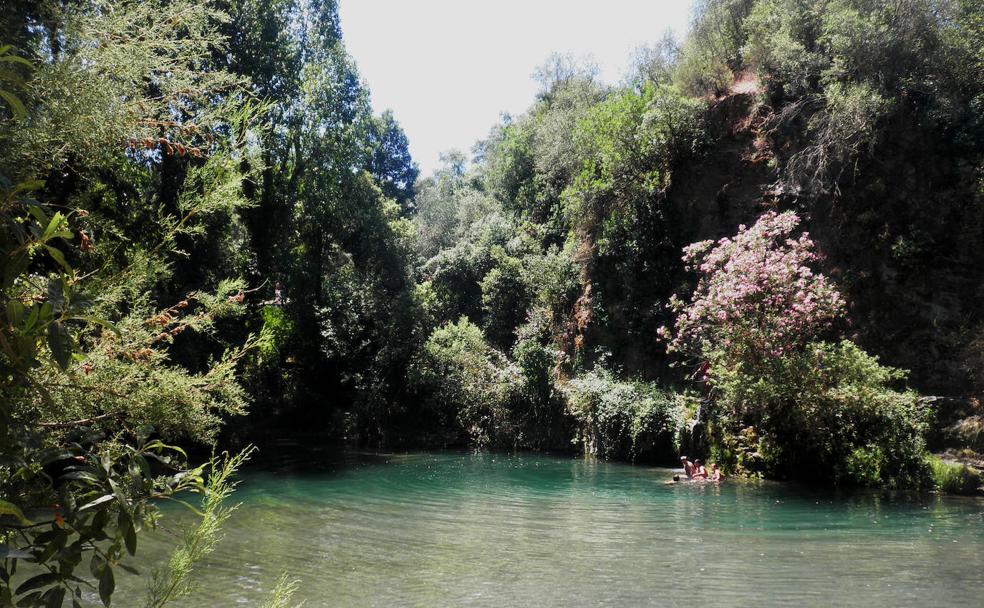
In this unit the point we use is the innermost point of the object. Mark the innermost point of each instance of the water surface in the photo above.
(438, 529)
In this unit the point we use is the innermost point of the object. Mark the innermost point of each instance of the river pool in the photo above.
(444, 529)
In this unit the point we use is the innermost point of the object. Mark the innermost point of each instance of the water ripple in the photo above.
(498, 531)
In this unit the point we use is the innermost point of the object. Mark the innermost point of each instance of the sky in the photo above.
(449, 68)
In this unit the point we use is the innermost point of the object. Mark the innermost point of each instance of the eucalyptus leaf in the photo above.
(60, 343)
(16, 105)
(107, 584)
(95, 503)
(54, 598)
(9, 508)
(59, 257)
(37, 582)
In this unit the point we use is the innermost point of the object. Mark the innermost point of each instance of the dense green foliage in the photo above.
(619, 419)
(200, 212)
(861, 117)
(467, 384)
(164, 165)
(828, 411)
(782, 401)
(954, 478)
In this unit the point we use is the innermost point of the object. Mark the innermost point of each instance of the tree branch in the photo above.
(84, 421)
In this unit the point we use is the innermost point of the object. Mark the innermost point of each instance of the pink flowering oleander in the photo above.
(756, 294)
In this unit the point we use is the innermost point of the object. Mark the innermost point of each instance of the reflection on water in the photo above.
(528, 530)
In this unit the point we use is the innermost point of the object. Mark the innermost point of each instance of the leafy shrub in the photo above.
(446, 206)
(628, 146)
(510, 164)
(699, 73)
(455, 273)
(786, 403)
(277, 329)
(839, 133)
(622, 419)
(506, 296)
(713, 50)
(846, 65)
(782, 46)
(535, 357)
(827, 412)
(954, 478)
(556, 275)
(543, 419)
(756, 296)
(529, 160)
(468, 386)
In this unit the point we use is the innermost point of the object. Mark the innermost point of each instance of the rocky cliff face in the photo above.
(901, 231)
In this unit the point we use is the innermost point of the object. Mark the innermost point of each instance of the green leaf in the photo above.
(38, 214)
(143, 466)
(79, 476)
(36, 582)
(60, 343)
(53, 227)
(98, 321)
(107, 584)
(96, 502)
(125, 523)
(31, 599)
(46, 457)
(96, 565)
(15, 59)
(15, 312)
(59, 257)
(56, 293)
(46, 537)
(29, 185)
(16, 106)
(32, 317)
(9, 508)
(158, 444)
(54, 598)
(130, 539)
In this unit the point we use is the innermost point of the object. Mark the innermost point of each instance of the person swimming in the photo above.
(696, 471)
(688, 467)
(699, 471)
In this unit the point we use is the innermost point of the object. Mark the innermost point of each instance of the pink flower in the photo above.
(755, 292)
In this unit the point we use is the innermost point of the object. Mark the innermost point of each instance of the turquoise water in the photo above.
(528, 530)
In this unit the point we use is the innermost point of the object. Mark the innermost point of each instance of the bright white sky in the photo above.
(449, 68)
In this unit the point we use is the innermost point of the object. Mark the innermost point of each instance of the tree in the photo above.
(560, 70)
(91, 385)
(390, 162)
(654, 63)
(757, 296)
(467, 386)
(782, 398)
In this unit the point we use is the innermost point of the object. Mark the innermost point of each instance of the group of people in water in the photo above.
(696, 471)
